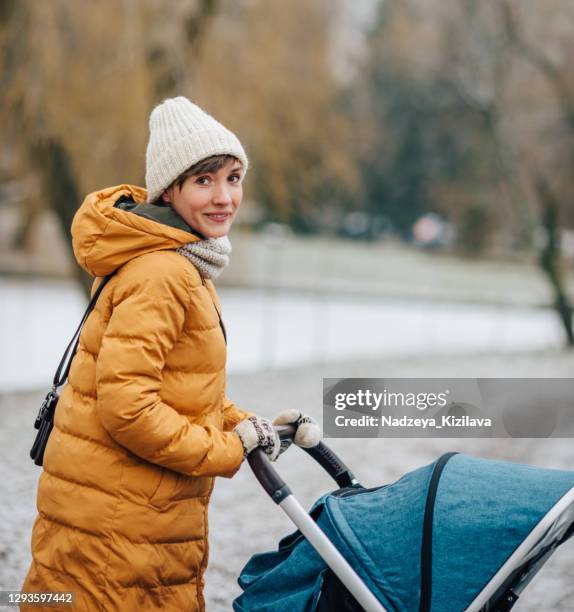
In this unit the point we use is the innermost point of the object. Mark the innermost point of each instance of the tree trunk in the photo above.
(60, 190)
(29, 212)
(549, 257)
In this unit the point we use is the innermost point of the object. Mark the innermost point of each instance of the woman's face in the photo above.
(209, 202)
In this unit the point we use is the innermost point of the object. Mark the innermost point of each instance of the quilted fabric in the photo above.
(142, 426)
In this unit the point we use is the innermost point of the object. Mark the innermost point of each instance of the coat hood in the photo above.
(105, 237)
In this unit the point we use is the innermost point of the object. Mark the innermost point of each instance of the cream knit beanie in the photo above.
(182, 134)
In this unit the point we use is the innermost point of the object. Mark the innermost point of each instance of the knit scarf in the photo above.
(209, 256)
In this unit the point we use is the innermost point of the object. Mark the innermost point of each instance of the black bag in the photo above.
(45, 419)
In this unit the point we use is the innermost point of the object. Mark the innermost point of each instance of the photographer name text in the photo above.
(446, 421)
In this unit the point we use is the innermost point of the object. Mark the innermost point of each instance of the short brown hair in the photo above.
(209, 164)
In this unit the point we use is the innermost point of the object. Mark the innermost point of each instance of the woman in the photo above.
(143, 424)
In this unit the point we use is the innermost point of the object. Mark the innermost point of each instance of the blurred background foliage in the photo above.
(360, 118)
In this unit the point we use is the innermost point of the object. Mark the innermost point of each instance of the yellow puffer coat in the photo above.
(141, 428)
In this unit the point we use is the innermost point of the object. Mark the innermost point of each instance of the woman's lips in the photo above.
(218, 217)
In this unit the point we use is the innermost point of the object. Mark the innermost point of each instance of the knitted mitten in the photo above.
(257, 431)
(308, 433)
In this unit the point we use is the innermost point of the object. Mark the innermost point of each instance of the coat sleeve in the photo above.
(148, 317)
(232, 415)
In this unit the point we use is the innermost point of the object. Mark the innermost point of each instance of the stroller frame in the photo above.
(498, 595)
(513, 577)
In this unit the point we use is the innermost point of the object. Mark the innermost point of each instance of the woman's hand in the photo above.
(257, 431)
(308, 433)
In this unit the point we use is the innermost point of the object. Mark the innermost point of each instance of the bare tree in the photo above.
(479, 69)
(75, 98)
(549, 198)
(267, 70)
(489, 44)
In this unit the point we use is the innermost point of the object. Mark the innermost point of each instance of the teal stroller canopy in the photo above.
(431, 541)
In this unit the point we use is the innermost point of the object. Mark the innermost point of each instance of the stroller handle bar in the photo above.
(323, 455)
(282, 495)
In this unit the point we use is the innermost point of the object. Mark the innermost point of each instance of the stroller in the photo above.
(460, 534)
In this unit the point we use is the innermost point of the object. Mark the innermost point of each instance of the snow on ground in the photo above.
(244, 521)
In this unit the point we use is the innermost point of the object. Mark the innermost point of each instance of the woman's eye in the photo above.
(236, 177)
(202, 180)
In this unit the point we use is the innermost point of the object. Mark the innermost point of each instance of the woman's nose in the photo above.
(222, 195)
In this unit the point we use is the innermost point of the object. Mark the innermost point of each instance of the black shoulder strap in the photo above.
(426, 545)
(63, 370)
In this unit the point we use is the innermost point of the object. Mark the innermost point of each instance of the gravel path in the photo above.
(244, 521)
